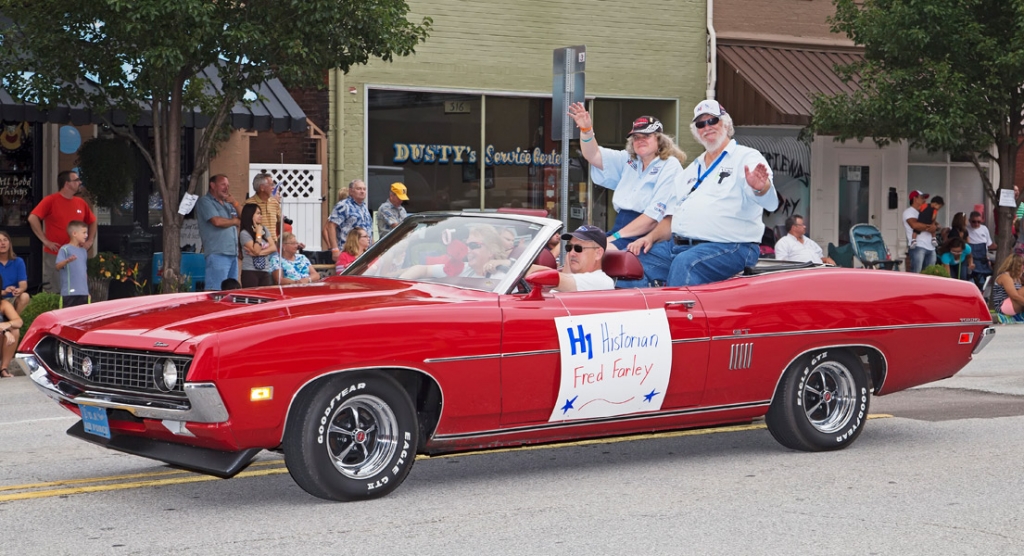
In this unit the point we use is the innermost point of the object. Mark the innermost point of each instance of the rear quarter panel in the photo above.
(915, 322)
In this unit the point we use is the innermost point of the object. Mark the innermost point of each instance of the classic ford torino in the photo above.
(353, 377)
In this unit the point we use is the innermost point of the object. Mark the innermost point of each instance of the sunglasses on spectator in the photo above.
(474, 245)
(577, 247)
(713, 120)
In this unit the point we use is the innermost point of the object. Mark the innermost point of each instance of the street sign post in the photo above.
(568, 87)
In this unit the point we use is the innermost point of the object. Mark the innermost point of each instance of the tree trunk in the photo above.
(1005, 215)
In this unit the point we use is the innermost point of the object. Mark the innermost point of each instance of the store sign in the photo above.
(420, 153)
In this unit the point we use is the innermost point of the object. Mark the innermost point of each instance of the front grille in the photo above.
(133, 371)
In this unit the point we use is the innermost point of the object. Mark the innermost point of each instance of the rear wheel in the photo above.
(821, 402)
(355, 439)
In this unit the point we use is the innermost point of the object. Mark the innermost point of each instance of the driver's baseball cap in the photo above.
(710, 107)
(916, 193)
(647, 125)
(589, 233)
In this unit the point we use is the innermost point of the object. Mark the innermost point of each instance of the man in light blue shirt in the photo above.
(218, 228)
(712, 228)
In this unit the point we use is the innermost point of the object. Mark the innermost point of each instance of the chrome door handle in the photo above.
(688, 303)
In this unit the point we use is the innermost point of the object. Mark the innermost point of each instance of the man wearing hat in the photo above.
(713, 227)
(391, 212)
(641, 175)
(921, 254)
(583, 254)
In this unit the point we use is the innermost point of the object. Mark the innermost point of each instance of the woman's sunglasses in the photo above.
(713, 120)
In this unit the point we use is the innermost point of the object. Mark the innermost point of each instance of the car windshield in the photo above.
(484, 251)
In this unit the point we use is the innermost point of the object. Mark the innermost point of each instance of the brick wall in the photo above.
(288, 147)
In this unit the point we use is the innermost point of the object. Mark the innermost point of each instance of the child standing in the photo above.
(74, 279)
(927, 216)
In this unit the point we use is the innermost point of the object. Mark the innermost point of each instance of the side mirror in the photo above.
(538, 280)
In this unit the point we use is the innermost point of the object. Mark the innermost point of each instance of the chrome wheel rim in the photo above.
(362, 437)
(829, 397)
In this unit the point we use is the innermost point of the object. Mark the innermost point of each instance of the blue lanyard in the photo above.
(701, 177)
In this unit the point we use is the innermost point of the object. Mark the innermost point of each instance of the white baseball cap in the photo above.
(708, 107)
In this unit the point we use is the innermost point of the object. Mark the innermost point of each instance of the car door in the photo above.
(531, 365)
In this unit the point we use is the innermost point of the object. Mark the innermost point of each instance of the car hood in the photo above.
(165, 322)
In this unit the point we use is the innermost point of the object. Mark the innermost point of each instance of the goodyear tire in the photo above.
(354, 438)
(821, 402)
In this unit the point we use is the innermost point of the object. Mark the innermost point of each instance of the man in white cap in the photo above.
(391, 212)
(713, 226)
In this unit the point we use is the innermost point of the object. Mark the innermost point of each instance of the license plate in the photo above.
(95, 420)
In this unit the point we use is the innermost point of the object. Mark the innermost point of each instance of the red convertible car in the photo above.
(434, 341)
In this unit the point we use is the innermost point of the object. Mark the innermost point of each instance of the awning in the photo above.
(766, 85)
(275, 109)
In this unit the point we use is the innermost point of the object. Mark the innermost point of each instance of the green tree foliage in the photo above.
(135, 54)
(944, 75)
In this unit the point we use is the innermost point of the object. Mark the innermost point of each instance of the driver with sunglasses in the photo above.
(713, 226)
(583, 254)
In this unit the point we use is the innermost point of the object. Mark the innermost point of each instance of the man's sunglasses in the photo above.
(577, 247)
(975, 221)
(713, 120)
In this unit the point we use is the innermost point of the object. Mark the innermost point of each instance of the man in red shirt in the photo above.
(56, 211)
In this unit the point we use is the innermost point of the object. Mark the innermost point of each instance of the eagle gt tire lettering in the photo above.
(353, 438)
(821, 402)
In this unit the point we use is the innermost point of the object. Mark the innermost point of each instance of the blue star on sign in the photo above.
(568, 405)
(648, 397)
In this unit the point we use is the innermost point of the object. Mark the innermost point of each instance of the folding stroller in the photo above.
(870, 249)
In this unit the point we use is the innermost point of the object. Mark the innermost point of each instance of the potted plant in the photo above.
(106, 267)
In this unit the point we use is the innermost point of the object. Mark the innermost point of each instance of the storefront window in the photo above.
(16, 168)
(428, 141)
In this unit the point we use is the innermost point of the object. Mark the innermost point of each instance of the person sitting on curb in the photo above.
(584, 252)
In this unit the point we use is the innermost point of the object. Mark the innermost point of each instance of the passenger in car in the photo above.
(642, 175)
(712, 230)
(583, 252)
(484, 247)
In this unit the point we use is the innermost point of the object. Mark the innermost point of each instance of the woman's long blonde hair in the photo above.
(352, 241)
(1014, 264)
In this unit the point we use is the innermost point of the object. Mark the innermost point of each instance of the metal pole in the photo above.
(563, 200)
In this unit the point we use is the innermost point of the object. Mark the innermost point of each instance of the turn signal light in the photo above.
(967, 337)
(261, 393)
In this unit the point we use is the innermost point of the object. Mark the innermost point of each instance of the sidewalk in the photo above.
(999, 368)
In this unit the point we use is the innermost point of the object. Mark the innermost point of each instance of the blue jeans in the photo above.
(220, 267)
(621, 219)
(921, 258)
(686, 265)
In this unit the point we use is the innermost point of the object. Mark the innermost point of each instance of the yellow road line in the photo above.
(84, 486)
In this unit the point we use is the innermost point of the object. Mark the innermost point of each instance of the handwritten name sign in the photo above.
(612, 364)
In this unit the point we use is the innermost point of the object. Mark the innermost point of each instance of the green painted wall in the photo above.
(647, 48)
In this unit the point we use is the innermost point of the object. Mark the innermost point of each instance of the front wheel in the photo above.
(355, 438)
(821, 402)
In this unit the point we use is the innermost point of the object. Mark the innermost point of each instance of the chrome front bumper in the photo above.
(986, 337)
(204, 402)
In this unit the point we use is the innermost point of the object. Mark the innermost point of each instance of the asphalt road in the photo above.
(940, 477)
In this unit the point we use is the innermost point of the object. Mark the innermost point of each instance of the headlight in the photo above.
(69, 362)
(165, 374)
(61, 354)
